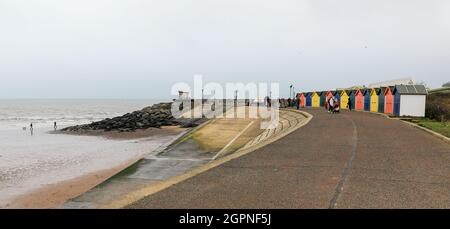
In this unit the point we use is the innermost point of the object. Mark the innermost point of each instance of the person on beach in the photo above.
(268, 101)
(54, 126)
(31, 128)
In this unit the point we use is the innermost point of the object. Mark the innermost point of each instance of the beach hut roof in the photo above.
(391, 88)
(356, 90)
(349, 92)
(366, 90)
(410, 89)
(342, 91)
(377, 90)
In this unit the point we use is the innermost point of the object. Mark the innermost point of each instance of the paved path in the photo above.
(348, 160)
(156, 170)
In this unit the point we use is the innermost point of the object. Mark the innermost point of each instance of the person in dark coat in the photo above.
(349, 104)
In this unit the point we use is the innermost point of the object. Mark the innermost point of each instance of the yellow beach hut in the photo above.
(344, 99)
(374, 100)
(315, 100)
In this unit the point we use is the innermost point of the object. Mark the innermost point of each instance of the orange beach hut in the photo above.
(388, 101)
(359, 100)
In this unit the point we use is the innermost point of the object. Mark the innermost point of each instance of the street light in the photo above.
(202, 102)
(290, 90)
(235, 97)
(293, 92)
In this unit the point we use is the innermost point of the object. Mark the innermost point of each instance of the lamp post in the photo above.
(202, 102)
(235, 97)
(293, 92)
(290, 91)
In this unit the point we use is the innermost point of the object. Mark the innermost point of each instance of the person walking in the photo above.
(336, 106)
(55, 126)
(349, 104)
(331, 104)
(31, 128)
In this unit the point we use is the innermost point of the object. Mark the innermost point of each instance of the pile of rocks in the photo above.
(154, 116)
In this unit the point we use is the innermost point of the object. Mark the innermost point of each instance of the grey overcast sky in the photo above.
(140, 48)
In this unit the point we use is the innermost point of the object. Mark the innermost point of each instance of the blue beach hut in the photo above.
(337, 95)
(367, 99)
(308, 99)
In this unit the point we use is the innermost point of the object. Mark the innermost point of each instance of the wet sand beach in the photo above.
(46, 169)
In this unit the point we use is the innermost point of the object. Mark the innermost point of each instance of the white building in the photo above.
(182, 95)
(409, 100)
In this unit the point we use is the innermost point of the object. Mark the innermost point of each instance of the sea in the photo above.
(30, 161)
(18, 113)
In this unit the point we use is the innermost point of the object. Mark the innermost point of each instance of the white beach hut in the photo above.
(409, 100)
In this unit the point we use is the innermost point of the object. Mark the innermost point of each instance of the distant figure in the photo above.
(54, 126)
(336, 106)
(31, 128)
(289, 102)
(181, 106)
(349, 104)
(331, 104)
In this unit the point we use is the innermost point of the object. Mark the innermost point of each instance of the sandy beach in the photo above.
(49, 178)
(53, 195)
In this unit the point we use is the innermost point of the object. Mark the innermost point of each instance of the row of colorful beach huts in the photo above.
(398, 100)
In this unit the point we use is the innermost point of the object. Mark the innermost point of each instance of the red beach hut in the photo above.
(301, 99)
(329, 94)
(359, 100)
(388, 101)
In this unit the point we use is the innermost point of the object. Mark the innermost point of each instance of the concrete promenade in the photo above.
(194, 152)
(347, 160)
